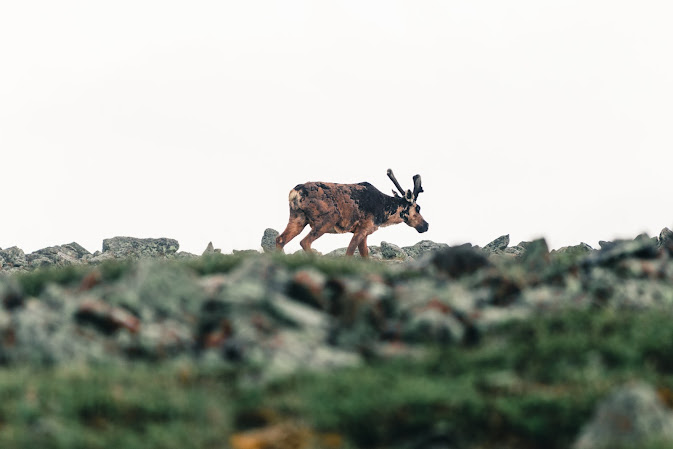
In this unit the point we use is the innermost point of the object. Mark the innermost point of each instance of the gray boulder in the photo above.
(582, 248)
(131, 247)
(269, 240)
(433, 325)
(423, 247)
(613, 252)
(630, 417)
(210, 249)
(456, 261)
(68, 254)
(516, 250)
(498, 245)
(374, 252)
(12, 258)
(391, 251)
(666, 240)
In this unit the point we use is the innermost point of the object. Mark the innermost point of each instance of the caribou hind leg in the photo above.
(316, 232)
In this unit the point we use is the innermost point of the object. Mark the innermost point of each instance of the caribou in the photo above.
(357, 208)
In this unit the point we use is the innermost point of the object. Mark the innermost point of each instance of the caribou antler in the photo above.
(417, 186)
(397, 184)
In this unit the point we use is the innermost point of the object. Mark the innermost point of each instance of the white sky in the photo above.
(193, 120)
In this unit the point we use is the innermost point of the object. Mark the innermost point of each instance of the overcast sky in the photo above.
(193, 120)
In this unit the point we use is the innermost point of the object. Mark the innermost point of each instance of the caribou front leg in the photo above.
(359, 236)
(362, 247)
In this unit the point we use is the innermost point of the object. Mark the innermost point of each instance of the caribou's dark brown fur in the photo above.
(357, 208)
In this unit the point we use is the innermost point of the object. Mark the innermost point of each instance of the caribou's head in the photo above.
(411, 212)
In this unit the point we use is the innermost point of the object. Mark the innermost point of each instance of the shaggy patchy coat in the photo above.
(357, 208)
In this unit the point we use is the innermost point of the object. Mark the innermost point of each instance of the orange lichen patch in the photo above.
(286, 435)
(665, 396)
(331, 440)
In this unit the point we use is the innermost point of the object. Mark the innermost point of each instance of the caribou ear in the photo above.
(409, 196)
(395, 194)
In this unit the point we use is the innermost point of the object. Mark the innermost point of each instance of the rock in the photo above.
(374, 252)
(186, 255)
(433, 325)
(44, 332)
(632, 416)
(210, 249)
(390, 251)
(666, 240)
(460, 260)
(99, 257)
(299, 350)
(613, 252)
(269, 240)
(106, 318)
(245, 252)
(536, 255)
(131, 247)
(68, 254)
(582, 248)
(498, 245)
(422, 247)
(12, 258)
(307, 286)
(516, 250)
(339, 252)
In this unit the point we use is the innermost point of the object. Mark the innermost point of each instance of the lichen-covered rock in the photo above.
(665, 240)
(391, 251)
(423, 247)
(374, 252)
(307, 286)
(68, 254)
(498, 245)
(582, 248)
(632, 416)
(269, 240)
(457, 261)
(185, 255)
(12, 258)
(131, 247)
(516, 250)
(433, 325)
(536, 255)
(613, 252)
(210, 249)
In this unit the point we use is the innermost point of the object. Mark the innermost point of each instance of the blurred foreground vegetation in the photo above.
(524, 383)
(528, 384)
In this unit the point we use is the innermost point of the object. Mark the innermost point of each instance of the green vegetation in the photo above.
(134, 406)
(525, 382)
